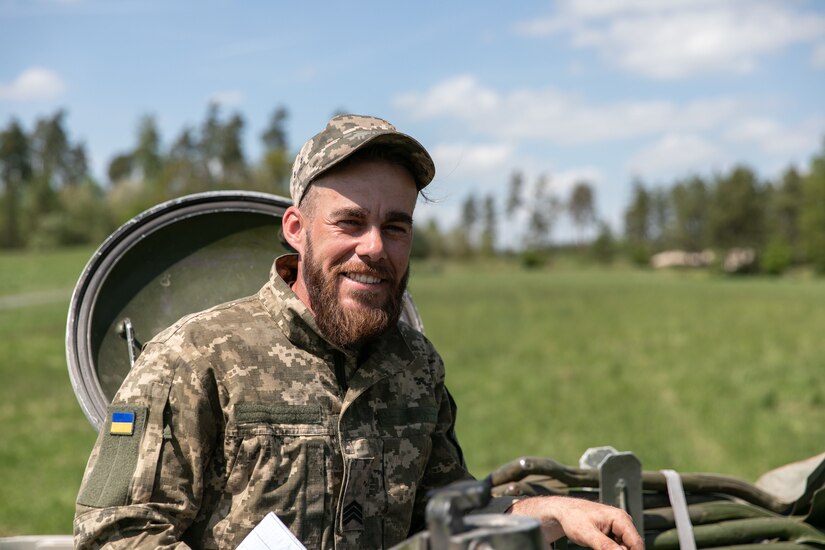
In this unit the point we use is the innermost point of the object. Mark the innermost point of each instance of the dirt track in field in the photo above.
(25, 299)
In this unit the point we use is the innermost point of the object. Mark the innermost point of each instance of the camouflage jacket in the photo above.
(236, 411)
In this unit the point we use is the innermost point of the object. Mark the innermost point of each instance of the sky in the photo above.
(602, 91)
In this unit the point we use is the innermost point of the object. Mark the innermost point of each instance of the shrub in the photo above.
(777, 257)
(532, 259)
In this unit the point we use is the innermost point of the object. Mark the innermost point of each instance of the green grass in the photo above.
(690, 372)
(41, 271)
(46, 439)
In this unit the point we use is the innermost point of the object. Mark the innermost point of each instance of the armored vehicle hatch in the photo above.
(179, 257)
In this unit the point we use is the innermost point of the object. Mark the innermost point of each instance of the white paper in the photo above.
(271, 534)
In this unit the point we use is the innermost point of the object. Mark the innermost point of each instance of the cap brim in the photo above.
(420, 160)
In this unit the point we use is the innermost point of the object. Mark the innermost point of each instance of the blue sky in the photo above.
(605, 91)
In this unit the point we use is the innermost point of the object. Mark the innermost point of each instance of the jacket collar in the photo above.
(291, 315)
(382, 357)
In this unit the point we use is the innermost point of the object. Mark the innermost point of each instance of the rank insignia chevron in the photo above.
(353, 516)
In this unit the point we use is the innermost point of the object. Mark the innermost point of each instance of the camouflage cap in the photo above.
(345, 134)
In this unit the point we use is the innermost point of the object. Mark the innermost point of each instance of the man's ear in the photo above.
(294, 228)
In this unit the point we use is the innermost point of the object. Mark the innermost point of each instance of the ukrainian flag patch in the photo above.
(123, 423)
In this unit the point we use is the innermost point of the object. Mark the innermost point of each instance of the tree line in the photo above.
(782, 221)
(533, 207)
(777, 224)
(48, 197)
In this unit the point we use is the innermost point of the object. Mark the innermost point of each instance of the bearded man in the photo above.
(309, 399)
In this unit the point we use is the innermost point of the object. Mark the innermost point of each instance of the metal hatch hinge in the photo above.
(127, 331)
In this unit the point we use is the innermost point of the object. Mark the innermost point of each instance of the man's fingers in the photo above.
(626, 534)
(618, 533)
(599, 541)
(598, 536)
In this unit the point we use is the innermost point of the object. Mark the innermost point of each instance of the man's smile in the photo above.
(363, 278)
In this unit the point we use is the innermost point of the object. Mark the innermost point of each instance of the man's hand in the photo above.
(585, 523)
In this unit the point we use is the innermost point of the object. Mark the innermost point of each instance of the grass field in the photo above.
(690, 372)
(46, 439)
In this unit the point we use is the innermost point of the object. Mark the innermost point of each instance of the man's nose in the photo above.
(371, 244)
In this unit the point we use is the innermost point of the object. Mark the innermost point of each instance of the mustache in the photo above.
(371, 269)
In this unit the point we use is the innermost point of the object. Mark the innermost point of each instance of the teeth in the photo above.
(361, 278)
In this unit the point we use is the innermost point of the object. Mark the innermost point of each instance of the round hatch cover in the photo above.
(179, 257)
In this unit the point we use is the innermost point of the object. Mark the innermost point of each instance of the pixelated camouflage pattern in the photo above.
(344, 135)
(245, 416)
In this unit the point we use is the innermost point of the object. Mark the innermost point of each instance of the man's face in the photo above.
(357, 247)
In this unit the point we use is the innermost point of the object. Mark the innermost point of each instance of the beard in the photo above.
(349, 328)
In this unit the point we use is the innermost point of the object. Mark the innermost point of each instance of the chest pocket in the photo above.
(278, 460)
(407, 443)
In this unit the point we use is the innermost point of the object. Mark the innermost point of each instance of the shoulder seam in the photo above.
(181, 323)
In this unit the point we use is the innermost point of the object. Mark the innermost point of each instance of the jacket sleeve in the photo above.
(143, 483)
(446, 462)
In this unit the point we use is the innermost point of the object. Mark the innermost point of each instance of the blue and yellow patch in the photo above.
(123, 423)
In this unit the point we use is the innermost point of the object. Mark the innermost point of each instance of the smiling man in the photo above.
(309, 399)
(355, 244)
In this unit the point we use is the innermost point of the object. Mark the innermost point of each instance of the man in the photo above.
(308, 399)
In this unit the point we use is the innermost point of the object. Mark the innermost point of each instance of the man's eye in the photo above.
(397, 229)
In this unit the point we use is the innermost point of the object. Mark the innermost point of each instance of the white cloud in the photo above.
(459, 96)
(675, 155)
(769, 136)
(599, 8)
(684, 137)
(681, 38)
(227, 98)
(33, 84)
(752, 129)
(559, 117)
(455, 158)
